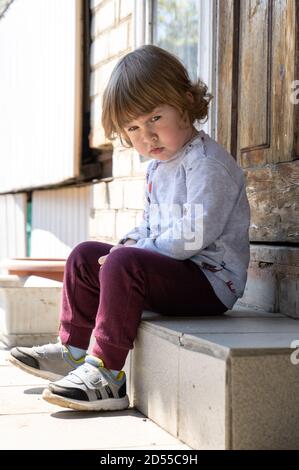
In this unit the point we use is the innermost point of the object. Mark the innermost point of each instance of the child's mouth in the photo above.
(157, 150)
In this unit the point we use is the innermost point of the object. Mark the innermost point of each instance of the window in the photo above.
(95, 162)
(176, 28)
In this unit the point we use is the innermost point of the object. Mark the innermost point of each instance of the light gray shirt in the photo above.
(196, 208)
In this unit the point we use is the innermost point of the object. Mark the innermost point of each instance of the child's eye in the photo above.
(153, 119)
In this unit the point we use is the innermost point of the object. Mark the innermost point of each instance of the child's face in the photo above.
(160, 134)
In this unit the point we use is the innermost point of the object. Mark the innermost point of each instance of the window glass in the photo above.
(175, 28)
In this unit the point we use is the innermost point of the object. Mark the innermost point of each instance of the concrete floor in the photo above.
(28, 422)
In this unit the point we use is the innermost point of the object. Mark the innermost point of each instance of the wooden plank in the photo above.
(225, 13)
(254, 76)
(273, 193)
(255, 98)
(283, 75)
(281, 43)
(296, 108)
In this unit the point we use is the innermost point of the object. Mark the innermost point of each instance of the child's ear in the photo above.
(190, 97)
(186, 118)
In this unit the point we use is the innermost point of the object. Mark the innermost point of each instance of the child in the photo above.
(189, 256)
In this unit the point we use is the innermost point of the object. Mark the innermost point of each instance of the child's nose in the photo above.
(150, 137)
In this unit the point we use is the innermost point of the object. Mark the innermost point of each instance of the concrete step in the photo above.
(29, 310)
(227, 382)
(28, 422)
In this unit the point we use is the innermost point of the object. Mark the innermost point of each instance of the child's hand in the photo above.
(102, 259)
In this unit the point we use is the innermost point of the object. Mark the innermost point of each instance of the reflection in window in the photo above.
(175, 28)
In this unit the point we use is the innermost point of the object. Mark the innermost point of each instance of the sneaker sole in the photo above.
(110, 404)
(43, 374)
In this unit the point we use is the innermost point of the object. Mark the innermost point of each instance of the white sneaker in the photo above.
(51, 361)
(90, 387)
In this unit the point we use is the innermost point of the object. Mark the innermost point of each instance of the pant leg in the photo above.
(134, 279)
(81, 293)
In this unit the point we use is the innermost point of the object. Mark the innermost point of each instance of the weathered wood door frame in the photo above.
(264, 131)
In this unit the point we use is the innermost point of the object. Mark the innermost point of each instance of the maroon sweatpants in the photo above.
(110, 298)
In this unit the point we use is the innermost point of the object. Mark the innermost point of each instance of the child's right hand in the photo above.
(102, 259)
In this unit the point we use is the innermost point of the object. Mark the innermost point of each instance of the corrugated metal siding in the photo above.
(13, 226)
(40, 93)
(59, 220)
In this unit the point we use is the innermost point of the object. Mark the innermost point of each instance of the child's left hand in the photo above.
(102, 259)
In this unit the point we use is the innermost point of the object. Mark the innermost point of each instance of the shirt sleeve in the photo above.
(211, 196)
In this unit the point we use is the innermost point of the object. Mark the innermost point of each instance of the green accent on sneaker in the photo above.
(95, 361)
